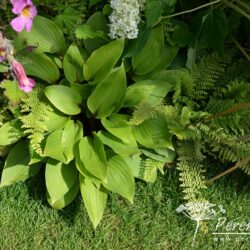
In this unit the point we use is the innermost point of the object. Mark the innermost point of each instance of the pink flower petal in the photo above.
(18, 6)
(13, 2)
(29, 2)
(26, 89)
(28, 24)
(18, 23)
(18, 69)
(33, 11)
(26, 84)
(32, 82)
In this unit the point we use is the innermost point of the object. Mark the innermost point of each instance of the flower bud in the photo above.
(26, 84)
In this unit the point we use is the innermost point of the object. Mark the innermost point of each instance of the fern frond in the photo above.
(191, 170)
(237, 90)
(246, 168)
(184, 89)
(144, 112)
(225, 147)
(207, 72)
(34, 113)
(149, 168)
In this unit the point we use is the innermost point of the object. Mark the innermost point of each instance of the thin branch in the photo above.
(237, 9)
(230, 170)
(243, 4)
(230, 110)
(187, 11)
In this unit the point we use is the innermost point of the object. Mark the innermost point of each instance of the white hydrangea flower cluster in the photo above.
(125, 18)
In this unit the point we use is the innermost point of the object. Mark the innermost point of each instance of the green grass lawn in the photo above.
(27, 221)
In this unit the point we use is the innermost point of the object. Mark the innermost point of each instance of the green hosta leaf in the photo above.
(45, 34)
(66, 199)
(120, 178)
(12, 91)
(153, 11)
(174, 77)
(156, 8)
(68, 138)
(3, 68)
(134, 162)
(191, 57)
(72, 133)
(68, 19)
(94, 2)
(216, 23)
(41, 66)
(83, 89)
(153, 133)
(34, 157)
(64, 99)
(101, 61)
(73, 64)
(108, 94)
(168, 154)
(98, 23)
(120, 138)
(118, 125)
(60, 144)
(181, 36)
(78, 131)
(169, 54)
(150, 56)
(118, 146)
(55, 120)
(60, 179)
(161, 155)
(57, 61)
(84, 172)
(85, 31)
(95, 200)
(17, 167)
(92, 157)
(54, 147)
(10, 132)
(148, 91)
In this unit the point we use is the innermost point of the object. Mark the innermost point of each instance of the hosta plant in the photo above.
(105, 112)
(77, 122)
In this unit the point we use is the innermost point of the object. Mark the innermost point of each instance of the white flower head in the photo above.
(199, 211)
(125, 18)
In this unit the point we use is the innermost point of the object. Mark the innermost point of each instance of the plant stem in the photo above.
(228, 171)
(241, 49)
(230, 110)
(237, 9)
(196, 231)
(187, 11)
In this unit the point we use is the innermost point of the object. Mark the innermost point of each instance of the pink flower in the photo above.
(26, 84)
(26, 11)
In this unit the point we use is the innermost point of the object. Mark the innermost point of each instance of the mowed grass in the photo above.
(27, 221)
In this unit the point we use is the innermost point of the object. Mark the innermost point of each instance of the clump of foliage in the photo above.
(105, 112)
